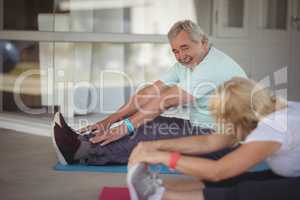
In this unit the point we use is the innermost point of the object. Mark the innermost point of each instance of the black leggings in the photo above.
(263, 185)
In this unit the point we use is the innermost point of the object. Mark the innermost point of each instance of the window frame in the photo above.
(229, 32)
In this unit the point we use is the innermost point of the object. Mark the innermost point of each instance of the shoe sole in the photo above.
(131, 172)
(56, 121)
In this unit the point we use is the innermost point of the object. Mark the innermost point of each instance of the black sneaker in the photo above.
(65, 126)
(65, 141)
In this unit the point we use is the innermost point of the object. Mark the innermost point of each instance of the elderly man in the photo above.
(199, 70)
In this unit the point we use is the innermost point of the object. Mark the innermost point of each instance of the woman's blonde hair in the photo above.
(243, 103)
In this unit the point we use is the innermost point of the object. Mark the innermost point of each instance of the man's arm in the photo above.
(138, 100)
(170, 97)
(135, 102)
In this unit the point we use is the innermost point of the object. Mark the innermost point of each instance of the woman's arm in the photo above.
(201, 144)
(233, 164)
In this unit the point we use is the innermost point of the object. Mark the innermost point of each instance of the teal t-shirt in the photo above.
(213, 70)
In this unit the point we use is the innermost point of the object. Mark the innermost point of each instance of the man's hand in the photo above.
(108, 136)
(98, 127)
(146, 152)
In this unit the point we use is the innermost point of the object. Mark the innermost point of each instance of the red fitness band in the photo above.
(174, 157)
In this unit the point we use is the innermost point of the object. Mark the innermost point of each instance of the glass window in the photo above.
(149, 61)
(117, 16)
(234, 13)
(273, 14)
(23, 14)
(41, 70)
(231, 18)
(19, 59)
(296, 15)
(84, 76)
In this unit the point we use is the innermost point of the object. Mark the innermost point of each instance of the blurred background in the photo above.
(86, 57)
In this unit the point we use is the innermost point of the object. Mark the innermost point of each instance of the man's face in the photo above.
(187, 52)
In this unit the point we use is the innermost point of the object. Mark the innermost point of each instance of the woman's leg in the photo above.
(183, 189)
(276, 189)
(183, 185)
(255, 185)
(183, 195)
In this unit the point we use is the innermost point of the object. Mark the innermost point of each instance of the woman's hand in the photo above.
(148, 153)
(108, 136)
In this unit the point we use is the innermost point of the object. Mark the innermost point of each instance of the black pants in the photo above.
(160, 128)
(263, 185)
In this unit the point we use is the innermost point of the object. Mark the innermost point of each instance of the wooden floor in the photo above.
(26, 172)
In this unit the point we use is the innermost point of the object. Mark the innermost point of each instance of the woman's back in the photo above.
(282, 126)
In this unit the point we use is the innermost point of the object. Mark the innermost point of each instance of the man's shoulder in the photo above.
(223, 64)
(221, 58)
(213, 57)
(220, 55)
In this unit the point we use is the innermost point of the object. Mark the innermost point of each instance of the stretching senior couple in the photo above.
(252, 126)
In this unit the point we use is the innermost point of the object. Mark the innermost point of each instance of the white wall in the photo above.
(262, 53)
(204, 15)
(294, 80)
(1, 58)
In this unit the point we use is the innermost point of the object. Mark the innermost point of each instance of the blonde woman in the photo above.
(248, 116)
